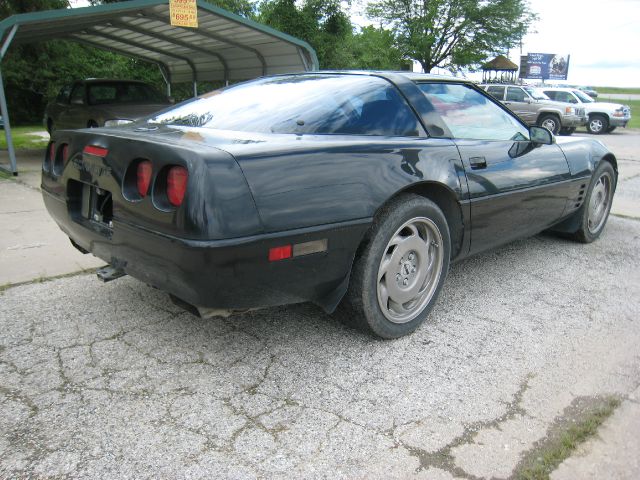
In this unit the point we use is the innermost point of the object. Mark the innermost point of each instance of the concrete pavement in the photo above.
(113, 381)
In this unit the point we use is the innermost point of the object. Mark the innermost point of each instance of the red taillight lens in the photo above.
(176, 185)
(279, 253)
(97, 151)
(65, 153)
(52, 152)
(144, 177)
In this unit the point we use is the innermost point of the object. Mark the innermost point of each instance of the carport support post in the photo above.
(7, 127)
(4, 111)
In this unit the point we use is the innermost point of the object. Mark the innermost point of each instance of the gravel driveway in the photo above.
(113, 381)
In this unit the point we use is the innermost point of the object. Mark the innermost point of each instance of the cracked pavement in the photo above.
(113, 381)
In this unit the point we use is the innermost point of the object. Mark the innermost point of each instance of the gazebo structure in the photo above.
(499, 70)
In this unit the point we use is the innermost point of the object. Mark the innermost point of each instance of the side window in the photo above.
(566, 97)
(553, 95)
(516, 94)
(495, 91)
(63, 96)
(468, 114)
(77, 95)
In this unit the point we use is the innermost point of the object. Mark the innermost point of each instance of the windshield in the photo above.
(584, 98)
(301, 104)
(101, 93)
(537, 95)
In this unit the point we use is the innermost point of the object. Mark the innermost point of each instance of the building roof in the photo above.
(223, 47)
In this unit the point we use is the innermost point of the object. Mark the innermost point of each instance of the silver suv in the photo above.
(535, 108)
(604, 117)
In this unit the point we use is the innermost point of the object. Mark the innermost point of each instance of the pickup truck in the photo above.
(535, 108)
(604, 117)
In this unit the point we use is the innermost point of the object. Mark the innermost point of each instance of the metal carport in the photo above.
(224, 47)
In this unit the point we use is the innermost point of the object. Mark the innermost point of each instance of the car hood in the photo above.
(131, 111)
(590, 107)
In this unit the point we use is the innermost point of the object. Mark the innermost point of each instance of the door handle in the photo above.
(477, 163)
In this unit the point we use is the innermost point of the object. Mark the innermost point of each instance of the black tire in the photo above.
(92, 124)
(611, 129)
(567, 131)
(597, 124)
(592, 225)
(422, 253)
(551, 122)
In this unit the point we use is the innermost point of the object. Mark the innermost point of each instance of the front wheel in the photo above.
(595, 211)
(397, 276)
(598, 124)
(550, 122)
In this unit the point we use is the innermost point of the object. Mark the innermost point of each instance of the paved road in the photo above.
(113, 381)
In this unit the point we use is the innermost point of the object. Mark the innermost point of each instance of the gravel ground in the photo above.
(113, 381)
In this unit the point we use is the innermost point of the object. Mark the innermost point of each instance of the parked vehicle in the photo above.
(535, 108)
(96, 103)
(322, 187)
(589, 91)
(604, 117)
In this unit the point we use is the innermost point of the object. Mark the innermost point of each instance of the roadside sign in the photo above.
(183, 13)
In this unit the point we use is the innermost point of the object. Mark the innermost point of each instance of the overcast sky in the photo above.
(602, 37)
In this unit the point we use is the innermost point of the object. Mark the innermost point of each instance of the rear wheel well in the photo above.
(446, 200)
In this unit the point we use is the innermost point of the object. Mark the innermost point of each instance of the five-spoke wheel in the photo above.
(398, 274)
(594, 213)
(409, 270)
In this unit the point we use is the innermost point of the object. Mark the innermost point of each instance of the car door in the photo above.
(520, 103)
(516, 188)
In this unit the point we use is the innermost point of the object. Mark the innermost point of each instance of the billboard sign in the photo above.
(545, 66)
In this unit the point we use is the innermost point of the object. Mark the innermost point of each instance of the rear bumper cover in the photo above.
(226, 274)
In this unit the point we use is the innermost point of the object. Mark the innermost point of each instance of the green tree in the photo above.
(321, 23)
(454, 33)
(375, 49)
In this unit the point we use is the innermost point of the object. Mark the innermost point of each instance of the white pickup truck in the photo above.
(604, 117)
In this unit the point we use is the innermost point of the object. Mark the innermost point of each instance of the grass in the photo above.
(621, 90)
(23, 138)
(550, 453)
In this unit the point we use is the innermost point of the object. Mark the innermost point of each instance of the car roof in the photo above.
(390, 74)
(559, 89)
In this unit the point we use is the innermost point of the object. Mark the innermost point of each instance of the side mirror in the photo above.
(527, 100)
(541, 136)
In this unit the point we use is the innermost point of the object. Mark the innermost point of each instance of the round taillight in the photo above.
(176, 185)
(144, 177)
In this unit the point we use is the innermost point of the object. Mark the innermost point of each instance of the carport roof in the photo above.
(223, 47)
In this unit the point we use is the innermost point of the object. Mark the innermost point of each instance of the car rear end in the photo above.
(178, 214)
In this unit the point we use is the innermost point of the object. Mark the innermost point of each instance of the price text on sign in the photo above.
(183, 13)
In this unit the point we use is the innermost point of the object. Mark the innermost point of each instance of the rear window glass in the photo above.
(113, 92)
(301, 104)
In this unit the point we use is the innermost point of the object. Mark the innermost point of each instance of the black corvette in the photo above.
(351, 188)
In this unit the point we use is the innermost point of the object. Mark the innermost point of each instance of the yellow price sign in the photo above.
(183, 13)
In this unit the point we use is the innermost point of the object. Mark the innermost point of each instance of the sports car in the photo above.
(351, 190)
